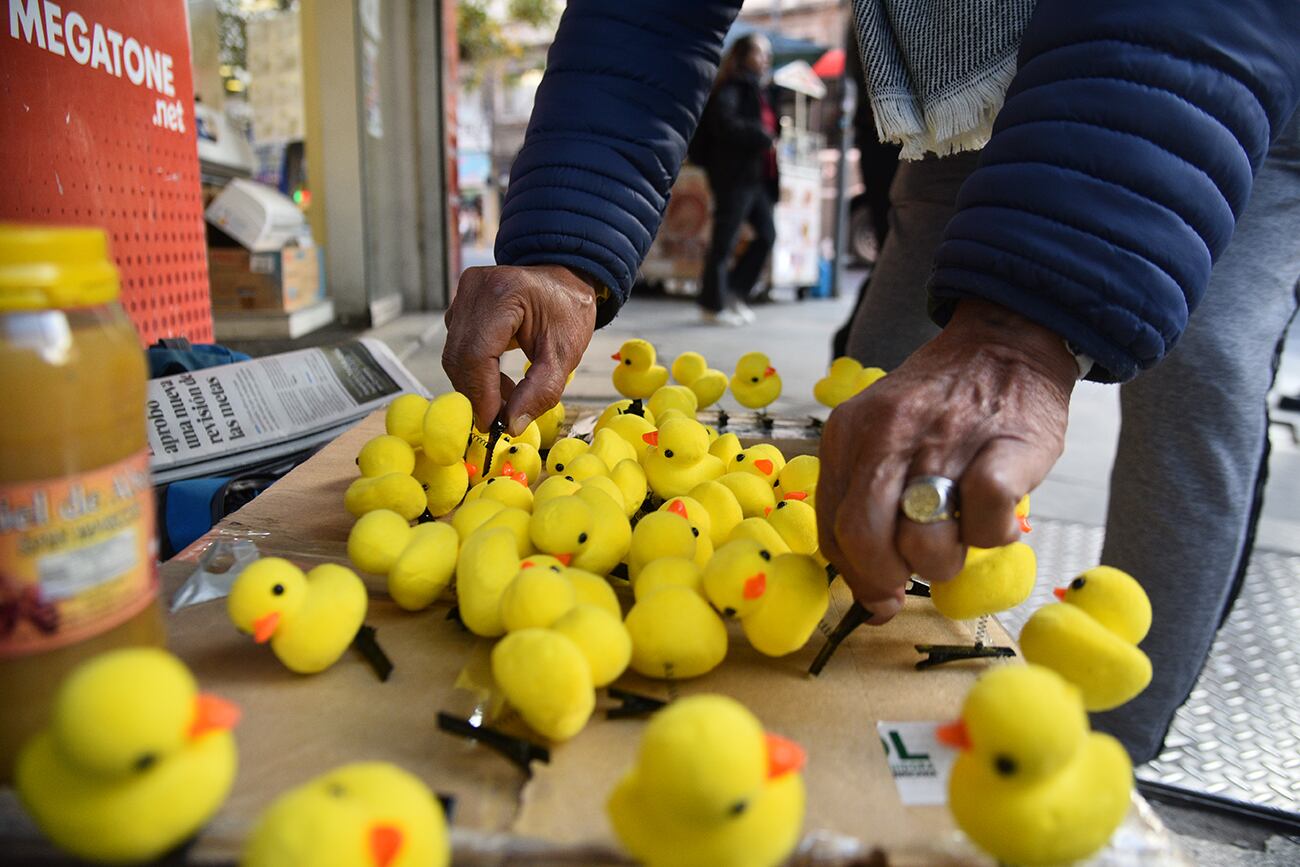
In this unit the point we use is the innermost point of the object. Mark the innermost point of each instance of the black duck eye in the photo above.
(627, 361)
(491, 480)
(695, 531)
(513, 449)
(668, 453)
(570, 478)
(144, 762)
(1077, 583)
(729, 611)
(781, 505)
(556, 570)
(559, 468)
(765, 554)
(582, 538)
(1004, 765)
(777, 483)
(754, 379)
(737, 809)
(336, 790)
(278, 590)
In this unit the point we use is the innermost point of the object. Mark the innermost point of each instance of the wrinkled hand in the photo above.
(546, 310)
(985, 403)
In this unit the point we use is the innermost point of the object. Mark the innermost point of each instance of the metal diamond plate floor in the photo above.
(1238, 735)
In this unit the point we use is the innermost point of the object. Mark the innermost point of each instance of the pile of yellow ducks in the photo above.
(697, 529)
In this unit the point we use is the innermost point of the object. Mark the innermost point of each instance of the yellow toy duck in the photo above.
(405, 418)
(779, 600)
(796, 523)
(754, 495)
(309, 619)
(660, 534)
(710, 788)
(673, 399)
(763, 460)
(1032, 785)
(724, 510)
(444, 486)
(993, 580)
(797, 480)
(845, 378)
(419, 561)
(385, 454)
(693, 371)
(1091, 637)
(135, 761)
(675, 634)
(488, 562)
(446, 428)
(667, 572)
(367, 814)
(619, 408)
(755, 383)
(725, 448)
(397, 491)
(679, 458)
(637, 375)
(545, 677)
(588, 531)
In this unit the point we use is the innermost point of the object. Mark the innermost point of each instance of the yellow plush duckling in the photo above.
(633, 430)
(796, 523)
(725, 448)
(754, 495)
(447, 425)
(134, 762)
(710, 788)
(760, 530)
(701, 525)
(405, 418)
(552, 487)
(517, 459)
(396, 491)
(619, 408)
(1033, 786)
(587, 531)
(601, 637)
(693, 371)
(679, 458)
(611, 448)
(723, 508)
(667, 572)
(385, 454)
(564, 451)
(444, 486)
(763, 460)
(549, 425)
(630, 479)
(675, 634)
(755, 383)
(546, 678)
(419, 561)
(993, 580)
(512, 490)
(660, 534)
(673, 398)
(367, 814)
(537, 597)
(798, 480)
(471, 516)
(1091, 637)
(309, 619)
(779, 600)
(590, 588)
(845, 378)
(637, 375)
(488, 562)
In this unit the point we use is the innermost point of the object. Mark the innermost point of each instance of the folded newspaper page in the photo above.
(215, 421)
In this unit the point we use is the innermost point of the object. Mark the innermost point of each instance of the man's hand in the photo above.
(984, 403)
(546, 310)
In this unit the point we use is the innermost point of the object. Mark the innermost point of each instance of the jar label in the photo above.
(77, 555)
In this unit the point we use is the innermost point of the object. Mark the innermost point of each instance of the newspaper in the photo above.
(219, 420)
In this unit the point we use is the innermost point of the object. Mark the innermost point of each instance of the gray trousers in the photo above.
(1193, 429)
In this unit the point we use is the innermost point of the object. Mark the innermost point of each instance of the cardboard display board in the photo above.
(295, 727)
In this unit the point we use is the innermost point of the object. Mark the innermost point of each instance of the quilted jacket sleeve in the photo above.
(1118, 166)
(624, 87)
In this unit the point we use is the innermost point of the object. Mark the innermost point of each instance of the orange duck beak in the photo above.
(755, 586)
(264, 627)
(565, 559)
(652, 437)
(1059, 593)
(385, 843)
(617, 356)
(954, 734)
(213, 714)
(769, 372)
(784, 756)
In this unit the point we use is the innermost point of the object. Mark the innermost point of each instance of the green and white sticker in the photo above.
(918, 762)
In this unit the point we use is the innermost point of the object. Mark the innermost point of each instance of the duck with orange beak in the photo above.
(755, 383)
(368, 814)
(637, 376)
(710, 787)
(135, 761)
(309, 619)
(779, 599)
(1032, 785)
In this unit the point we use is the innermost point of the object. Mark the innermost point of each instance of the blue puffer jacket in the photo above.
(1118, 165)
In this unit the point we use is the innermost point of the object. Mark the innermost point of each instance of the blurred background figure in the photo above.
(735, 146)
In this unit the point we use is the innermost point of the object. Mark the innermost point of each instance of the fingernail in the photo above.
(521, 421)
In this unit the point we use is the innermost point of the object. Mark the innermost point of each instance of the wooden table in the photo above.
(296, 727)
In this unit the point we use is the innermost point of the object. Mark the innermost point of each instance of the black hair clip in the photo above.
(852, 619)
(523, 753)
(632, 704)
(367, 645)
(497, 428)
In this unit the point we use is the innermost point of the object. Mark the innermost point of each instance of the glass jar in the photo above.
(78, 554)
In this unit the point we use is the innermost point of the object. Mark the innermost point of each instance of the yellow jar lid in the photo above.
(49, 267)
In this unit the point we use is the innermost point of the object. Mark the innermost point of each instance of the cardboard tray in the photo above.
(296, 727)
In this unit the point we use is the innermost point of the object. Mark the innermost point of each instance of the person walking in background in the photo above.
(739, 126)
